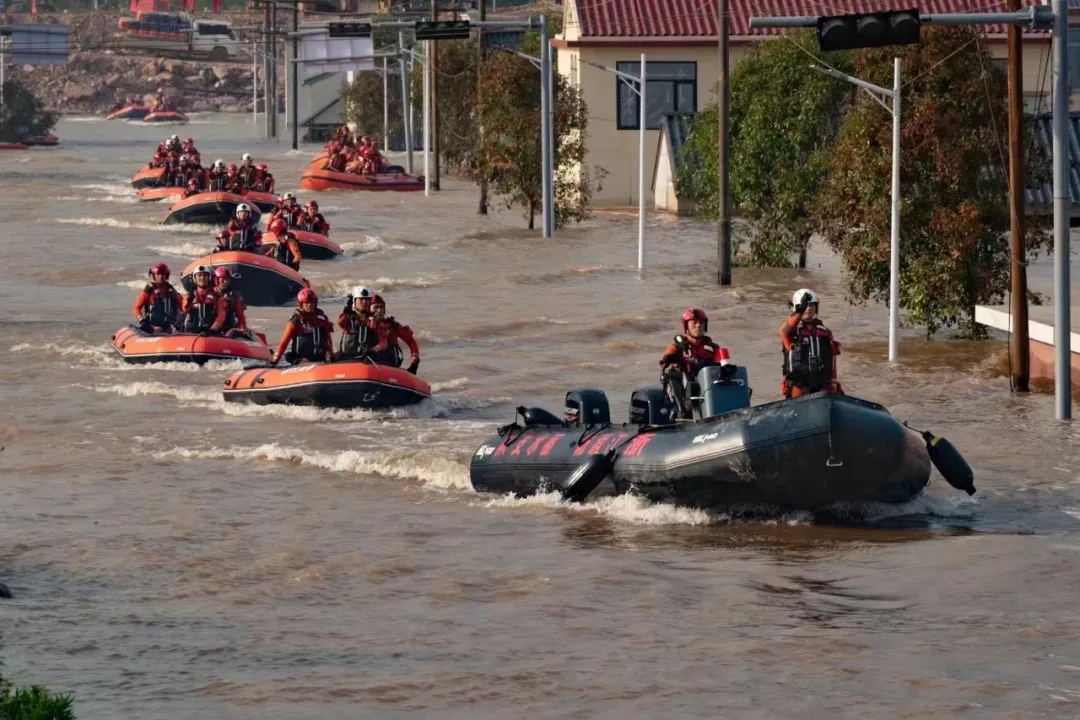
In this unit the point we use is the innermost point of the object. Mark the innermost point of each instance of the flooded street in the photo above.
(173, 556)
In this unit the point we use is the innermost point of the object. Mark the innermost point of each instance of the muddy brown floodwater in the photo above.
(172, 556)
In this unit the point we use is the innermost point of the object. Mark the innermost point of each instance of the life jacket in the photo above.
(290, 215)
(312, 224)
(360, 338)
(242, 237)
(249, 175)
(163, 305)
(809, 363)
(387, 330)
(217, 182)
(310, 339)
(231, 298)
(201, 310)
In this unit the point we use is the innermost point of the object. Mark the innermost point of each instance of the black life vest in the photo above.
(311, 225)
(248, 175)
(163, 308)
(359, 340)
(217, 182)
(309, 342)
(243, 239)
(808, 365)
(282, 254)
(392, 355)
(201, 315)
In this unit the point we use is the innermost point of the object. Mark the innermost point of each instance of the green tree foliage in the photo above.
(22, 114)
(784, 115)
(456, 99)
(510, 149)
(33, 703)
(954, 216)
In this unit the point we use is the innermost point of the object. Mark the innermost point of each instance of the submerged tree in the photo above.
(784, 117)
(509, 153)
(22, 114)
(954, 212)
(33, 703)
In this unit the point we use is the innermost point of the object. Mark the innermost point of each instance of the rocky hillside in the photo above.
(96, 78)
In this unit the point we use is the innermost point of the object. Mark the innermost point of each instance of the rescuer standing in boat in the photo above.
(810, 351)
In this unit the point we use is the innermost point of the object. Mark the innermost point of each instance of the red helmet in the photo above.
(160, 269)
(695, 314)
(312, 205)
(232, 169)
(377, 301)
(262, 166)
(278, 226)
(193, 183)
(307, 295)
(189, 141)
(223, 272)
(223, 235)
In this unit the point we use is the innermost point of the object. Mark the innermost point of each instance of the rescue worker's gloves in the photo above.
(414, 364)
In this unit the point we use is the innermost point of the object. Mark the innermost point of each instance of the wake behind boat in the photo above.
(344, 384)
(807, 453)
(136, 346)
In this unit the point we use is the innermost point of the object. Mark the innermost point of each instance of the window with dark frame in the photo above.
(670, 87)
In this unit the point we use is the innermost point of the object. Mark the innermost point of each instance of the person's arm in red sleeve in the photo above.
(286, 338)
(787, 331)
(344, 321)
(142, 301)
(405, 333)
(294, 248)
(328, 339)
(238, 310)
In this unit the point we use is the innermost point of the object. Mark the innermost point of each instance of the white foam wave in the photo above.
(140, 284)
(182, 250)
(433, 470)
(341, 288)
(370, 244)
(454, 384)
(90, 118)
(632, 509)
(126, 225)
(432, 408)
(79, 349)
(125, 200)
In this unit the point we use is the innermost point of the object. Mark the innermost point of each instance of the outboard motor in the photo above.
(586, 406)
(722, 390)
(649, 406)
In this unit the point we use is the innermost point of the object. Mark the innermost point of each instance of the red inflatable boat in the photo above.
(13, 146)
(147, 177)
(323, 179)
(344, 384)
(260, 280)
(137, 347)
(313, 246)
(129, 112)
(212, 208)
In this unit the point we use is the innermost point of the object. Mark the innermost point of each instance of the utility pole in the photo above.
(273, 88)
(291, 74)
(723, 99)
(406, 102)
(1019, 349)
(434, 101)
(266, 68)
(1062, 256)
(481, 55)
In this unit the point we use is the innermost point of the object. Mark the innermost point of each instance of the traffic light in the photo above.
(349, 29)
(442, 29)
(866, 30)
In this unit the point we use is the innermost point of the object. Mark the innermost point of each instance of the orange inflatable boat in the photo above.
(129, 112)
(213, 208)
(324, 179)
(263, 200)
(147, 177)
(313, 246)
(171, 192)
(260, 280)
(343, 384)
(135, 346)
(170, 117)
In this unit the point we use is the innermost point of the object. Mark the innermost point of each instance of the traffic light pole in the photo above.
(894, 244)
(1040, 17)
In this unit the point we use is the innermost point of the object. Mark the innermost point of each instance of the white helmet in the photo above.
(219, 163)
(247, 157)
(804, 297)
(289, 196)
(242, 208)
(362, 293)
(175, 137)
(201, 270)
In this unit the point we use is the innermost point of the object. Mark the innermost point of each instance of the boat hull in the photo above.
(147, 177)
(209, 208)
(808, 453)
(341, 385)
(323, 179)
(148, 194)
(130, 112)
(166, 118)
(137, 347)
(262, 200)
(312, 245)
(262, 281)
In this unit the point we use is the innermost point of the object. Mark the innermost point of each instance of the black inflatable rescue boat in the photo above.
(211, 208)
(260, 280)
(808, 453)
